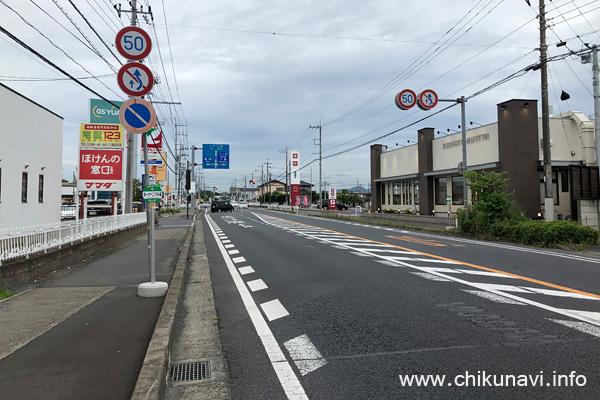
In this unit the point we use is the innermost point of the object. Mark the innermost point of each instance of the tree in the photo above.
(492, 205)
(137, 190)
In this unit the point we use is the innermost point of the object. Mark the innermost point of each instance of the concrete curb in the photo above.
(152, 380)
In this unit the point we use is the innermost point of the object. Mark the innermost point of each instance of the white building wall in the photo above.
(482, 148)
(572, 138)
(403, 161)
(30, 141)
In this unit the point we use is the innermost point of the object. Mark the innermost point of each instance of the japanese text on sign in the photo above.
(101, 136)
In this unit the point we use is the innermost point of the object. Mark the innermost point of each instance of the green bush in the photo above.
(5, 294)
(546, 234)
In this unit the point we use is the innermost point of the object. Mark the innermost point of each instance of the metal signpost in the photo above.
(427, 100)
(138, 116)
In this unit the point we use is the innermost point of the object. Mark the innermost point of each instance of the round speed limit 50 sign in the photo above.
(133, 43)
(406, 99)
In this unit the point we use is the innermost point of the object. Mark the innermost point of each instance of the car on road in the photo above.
(340, 206)
(221, 205)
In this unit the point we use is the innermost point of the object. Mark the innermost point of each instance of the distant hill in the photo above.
(359, 189)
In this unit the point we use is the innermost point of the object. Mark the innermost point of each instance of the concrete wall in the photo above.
(405, 159)
(482, 148)
(588, 213)
(30, 141)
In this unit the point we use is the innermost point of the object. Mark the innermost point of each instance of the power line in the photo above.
(53, 44)
(23, 44)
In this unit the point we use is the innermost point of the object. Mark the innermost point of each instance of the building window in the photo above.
(389, 191)
(440, 191)
(397, 192)
(458, 197)
(564, 181)
(383, 193)
(416, 183)
(24, 187)
(41, 189)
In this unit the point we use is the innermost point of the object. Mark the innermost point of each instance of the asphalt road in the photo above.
(320, 309)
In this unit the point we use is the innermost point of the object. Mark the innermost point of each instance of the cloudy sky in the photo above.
(256, 74)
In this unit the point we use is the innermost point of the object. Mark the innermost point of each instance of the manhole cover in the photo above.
(189, 371)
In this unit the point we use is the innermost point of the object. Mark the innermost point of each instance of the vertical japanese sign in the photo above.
(295, 178)
(332, 198)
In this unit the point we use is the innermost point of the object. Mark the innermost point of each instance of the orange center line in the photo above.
(524, 278)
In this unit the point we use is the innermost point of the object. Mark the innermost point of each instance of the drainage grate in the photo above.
(189, 371)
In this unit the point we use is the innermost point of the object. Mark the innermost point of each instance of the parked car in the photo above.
(340, 206)
(98, 207)
(221, 205)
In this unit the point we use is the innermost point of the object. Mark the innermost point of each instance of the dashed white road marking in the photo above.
(232, 252)
(287, 377)
(274, 310)
(229, 246)
(246, 270)
(238, 260)
(257, 285)
(305, 355)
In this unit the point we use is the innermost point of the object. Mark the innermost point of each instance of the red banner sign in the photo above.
(100, 169)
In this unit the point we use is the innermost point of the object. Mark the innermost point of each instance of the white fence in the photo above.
(23, 242)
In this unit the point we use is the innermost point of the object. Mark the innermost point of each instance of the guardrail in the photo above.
(293, 209)
(23, 242)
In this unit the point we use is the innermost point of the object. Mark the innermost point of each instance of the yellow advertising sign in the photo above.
(107, 136)
(159, 170)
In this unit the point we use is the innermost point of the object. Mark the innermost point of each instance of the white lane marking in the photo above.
(226, 241)
(362, 243)
(493, 297)
(501, 288)
(229, 246)
(392, 258)
(305, 355)
(246, 270)
(257, 285)
(580, 326)
(358, 253)
(232, 252)
(431, 277)
(586, 314)
(592, 318)
(274, 310)
(389, 263)
(485, 273)
(238, 260)
(560, 293)
(286, 375)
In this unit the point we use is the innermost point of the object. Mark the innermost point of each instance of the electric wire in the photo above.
(30, 49)
(55, 45)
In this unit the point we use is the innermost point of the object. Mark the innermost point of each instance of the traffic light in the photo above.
(188, 179)
(253, 181)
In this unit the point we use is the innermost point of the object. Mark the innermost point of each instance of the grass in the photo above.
(5, 294)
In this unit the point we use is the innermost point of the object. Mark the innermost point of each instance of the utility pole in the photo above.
(262, 181)
(320, 160)
(130, 141)
(548, 193)
(286, 175)
(268, 163)
(596, 100)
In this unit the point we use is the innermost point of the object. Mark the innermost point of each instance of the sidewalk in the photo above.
(85, 335)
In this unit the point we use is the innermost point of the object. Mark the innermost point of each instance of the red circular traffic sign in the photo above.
(137, 115)
(406, 99)
(427, 99)
(133, 43)
(135, 79)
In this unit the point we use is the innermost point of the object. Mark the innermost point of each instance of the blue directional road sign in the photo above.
(215, 156)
